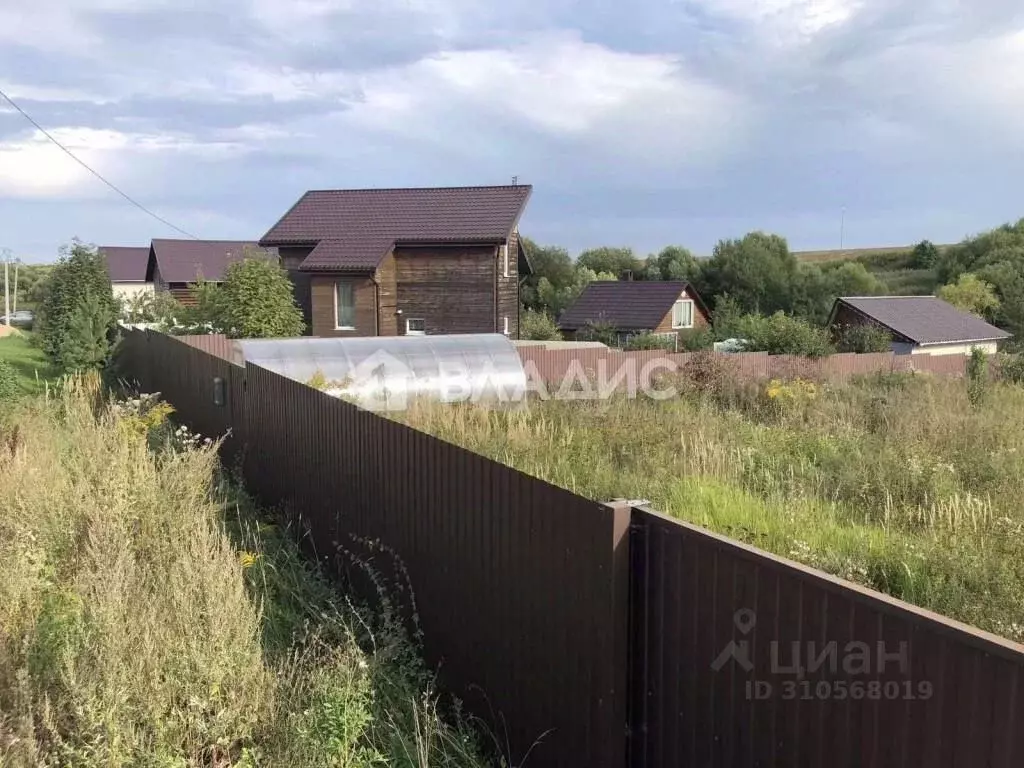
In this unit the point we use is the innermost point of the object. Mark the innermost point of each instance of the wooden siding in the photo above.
(700, 320)
(291, 259)
(451, 288)
(387, 297)
(322, 294)
(508, 287)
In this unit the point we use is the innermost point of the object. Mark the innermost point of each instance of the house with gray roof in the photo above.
(919, 325)
(391, 262)
(632, 307)
(127, 269)
(177, 265)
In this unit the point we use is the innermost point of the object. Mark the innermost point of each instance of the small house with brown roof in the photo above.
(127, 269)
(387, 262)
(632, 307)
(177, 265)
(919, 325)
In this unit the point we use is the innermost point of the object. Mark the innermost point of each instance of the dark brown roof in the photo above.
(355, 229)
(185, 261)
(923, 319)
(627, 304)
(125, 264)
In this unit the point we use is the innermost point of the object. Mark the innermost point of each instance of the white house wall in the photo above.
(128, 291)
(989, 347)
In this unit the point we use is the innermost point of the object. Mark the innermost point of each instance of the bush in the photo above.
(78, 312)
(696, 339)
(863, 338)
(606, 333)
(648, 340)
(977, 376)
(8, 381)
(538, 326)
(926, 255)
(781, 334)
(1011, 368)
(255, 301)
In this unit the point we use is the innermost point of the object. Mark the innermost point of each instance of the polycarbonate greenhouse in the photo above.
(388, 372)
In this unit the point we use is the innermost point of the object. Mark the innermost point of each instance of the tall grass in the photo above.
(149, 616)
(898, 483)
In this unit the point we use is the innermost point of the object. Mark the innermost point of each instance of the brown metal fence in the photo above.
(822, 673)
(607, 635)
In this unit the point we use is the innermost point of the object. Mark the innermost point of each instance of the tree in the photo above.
(817, 287)
(672, 263)
(971, 294)
(926, 255)
(538, 326)
(77, 309)
(547, 262)
(611, 261)
(554, 300)
(781, 334)
(254, 301)
(758, 271)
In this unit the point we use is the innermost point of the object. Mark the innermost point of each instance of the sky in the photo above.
(638, 124)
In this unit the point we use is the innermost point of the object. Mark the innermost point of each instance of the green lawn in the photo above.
(29, 363)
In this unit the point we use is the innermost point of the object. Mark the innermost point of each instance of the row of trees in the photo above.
(77, 312)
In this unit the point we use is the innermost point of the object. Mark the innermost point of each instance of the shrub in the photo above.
(601, 331)
(781, 334)
(78, 312)
(1011, 368)
(696, 339)
(863, 338)
(977, 376)
(925, 255)
(648, 340)
(538, 326)
(255, 301)
(8, 381)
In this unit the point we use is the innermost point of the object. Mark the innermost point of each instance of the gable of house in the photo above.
(396, 261)
(636, 306)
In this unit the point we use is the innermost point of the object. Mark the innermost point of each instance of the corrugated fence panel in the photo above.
(488, 552)
(743, 659)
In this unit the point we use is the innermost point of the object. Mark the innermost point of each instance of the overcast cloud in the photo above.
(642, 124)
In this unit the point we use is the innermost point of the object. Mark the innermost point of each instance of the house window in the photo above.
(345, 306)
(415, 326)
(682, 314)
(504, 260)
(505, 331)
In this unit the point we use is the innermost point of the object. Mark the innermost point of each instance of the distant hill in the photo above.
(892, 265)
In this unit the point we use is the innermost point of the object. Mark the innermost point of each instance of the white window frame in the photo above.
(337, 287)
(410, 332)
(504, 259)
(678, 326)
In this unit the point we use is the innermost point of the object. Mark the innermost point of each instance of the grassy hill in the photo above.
(893, 266)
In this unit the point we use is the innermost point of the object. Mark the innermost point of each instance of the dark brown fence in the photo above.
(555, 366)
(602, 635)
(743, 659)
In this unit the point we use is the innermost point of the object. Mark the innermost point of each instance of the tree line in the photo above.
(756, 287)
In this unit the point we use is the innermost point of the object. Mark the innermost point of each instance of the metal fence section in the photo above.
(744, 659)
(597, 635)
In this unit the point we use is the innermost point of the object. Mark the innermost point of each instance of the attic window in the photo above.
(682, 314)
(504, 260)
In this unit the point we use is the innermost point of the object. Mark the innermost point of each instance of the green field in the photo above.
(31, 368)
(894, 267)
(899, 484)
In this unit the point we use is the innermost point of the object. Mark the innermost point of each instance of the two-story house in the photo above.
(386, 262)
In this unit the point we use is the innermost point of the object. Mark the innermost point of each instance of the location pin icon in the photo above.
(744, 619)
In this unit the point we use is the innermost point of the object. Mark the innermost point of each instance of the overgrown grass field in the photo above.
(150, 617)
(898, 483)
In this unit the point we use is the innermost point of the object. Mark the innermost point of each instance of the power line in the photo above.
(95, 173)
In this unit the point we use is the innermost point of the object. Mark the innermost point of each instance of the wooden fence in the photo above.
(601, 635)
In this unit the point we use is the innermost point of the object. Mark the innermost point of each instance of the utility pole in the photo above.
(7, 288)
(17, 262)
(842, 228)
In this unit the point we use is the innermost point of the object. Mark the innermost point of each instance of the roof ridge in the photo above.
(420, 189)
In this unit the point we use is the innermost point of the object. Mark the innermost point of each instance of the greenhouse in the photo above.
(388, 373)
